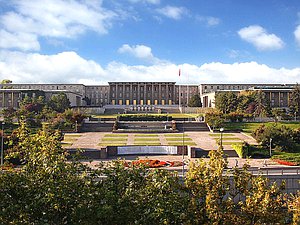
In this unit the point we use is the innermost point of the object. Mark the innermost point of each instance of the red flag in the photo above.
(179, 72)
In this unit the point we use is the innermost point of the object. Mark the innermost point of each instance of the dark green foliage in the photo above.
(226, 102)
(295, 100)
(143, 117)
(59, 102)
(214, 120)
(282, 137)
(195, 101)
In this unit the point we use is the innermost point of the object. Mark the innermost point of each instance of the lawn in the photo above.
(178, 139)
(227, 138)
(191, 143)
(147, 143)
(218, 135)
(293, 158)
(146, 135)
(114, 139)
(249, 127)
(73, 135)
(112, 144)
(146, 139)
(176, 135)
(116, 135)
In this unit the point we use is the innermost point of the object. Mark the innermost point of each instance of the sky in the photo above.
(96, 41)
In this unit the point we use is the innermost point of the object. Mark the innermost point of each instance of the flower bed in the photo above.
(286, 163)
(153, 163)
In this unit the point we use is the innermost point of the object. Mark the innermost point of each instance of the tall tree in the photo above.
(195, 101)
(295, 100)
(226, 102)
(262, 104)
(59, 102)
(6, 81)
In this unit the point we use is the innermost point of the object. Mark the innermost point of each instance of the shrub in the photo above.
(235, 117)
(214, 120)
(144, 118)
(282, 137)
(241, 149)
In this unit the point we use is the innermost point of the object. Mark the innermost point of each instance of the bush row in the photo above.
(144, 118)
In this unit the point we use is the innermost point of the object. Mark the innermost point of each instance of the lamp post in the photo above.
(221, 139)
(76, 126)
(270, 147)
(2, 144)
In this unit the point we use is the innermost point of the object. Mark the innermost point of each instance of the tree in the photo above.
(226, 102)
(262, 104)
(295, 100)
(6, 81)
(283, 138)
(59, 102)
(195, 101)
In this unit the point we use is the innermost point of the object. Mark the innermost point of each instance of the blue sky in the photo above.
(94, 41)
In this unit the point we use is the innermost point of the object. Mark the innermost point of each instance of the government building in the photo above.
(123, 94)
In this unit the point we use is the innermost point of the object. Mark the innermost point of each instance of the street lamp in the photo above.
(76, 128)
(270, 147)
(2, 143)
(221, 139)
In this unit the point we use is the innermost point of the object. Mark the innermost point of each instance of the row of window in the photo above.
(141, 102)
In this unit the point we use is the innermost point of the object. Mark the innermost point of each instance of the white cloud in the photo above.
(297, 34)
(208, 20)
(23, 41)
(69, 67)
(139, 51)
(65, 67)
(172, 12)
(55, 18)
(260, 38)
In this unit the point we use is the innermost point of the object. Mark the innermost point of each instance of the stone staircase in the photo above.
(191, 126)
(95, 126)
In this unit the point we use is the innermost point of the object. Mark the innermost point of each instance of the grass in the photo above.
(289, 157)
(176, 135)
(147, 143)
(179, 139)
(218, 135)
(113, 144)
(114, 139)
(65, 144)
(69, 139)
(73, 135)
(146, 135)
(227, 138)
(180, 143)
(249, 127)
(146, 139)
(116, 135)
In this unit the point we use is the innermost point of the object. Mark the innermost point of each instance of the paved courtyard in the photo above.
(202, 140)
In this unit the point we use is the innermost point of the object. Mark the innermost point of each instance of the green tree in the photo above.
(6, 81)
(59, 102)
(226, 102)
(195, 101)
(295, 100)
(262, 104)
(283, 138)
